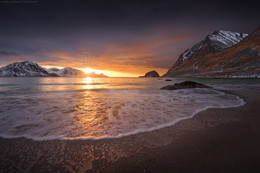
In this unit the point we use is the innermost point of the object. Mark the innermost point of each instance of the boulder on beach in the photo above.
(185, 85)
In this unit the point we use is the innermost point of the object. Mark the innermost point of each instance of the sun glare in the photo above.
(90, 70)
(87, 70)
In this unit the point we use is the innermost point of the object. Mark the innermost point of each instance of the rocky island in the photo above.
(151, 74)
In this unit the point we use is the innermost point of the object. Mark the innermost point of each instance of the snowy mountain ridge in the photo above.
(218, 40)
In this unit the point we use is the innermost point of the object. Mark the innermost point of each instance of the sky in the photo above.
(122, 38)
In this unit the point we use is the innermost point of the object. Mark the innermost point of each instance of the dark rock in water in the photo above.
(185, 85)
(168, 80)
(152, 74)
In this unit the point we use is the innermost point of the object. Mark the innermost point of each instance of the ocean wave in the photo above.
(99, 114)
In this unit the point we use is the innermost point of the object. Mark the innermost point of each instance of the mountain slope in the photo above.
(22, 69)
(221, 54)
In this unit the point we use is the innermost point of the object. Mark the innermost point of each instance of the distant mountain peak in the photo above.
(66, 72)
(30, 69)
(25, 68)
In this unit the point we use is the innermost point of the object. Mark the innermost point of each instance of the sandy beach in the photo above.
(215, 140)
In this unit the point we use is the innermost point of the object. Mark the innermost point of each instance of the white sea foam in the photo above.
(97, 114)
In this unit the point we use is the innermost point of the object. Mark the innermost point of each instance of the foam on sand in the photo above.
(107, 113)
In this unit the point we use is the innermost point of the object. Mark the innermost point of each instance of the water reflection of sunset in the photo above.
(88, 81)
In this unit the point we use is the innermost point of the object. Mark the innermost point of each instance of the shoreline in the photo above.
(207, 142)
(158, 127)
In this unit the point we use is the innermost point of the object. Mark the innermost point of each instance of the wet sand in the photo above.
(215, 140)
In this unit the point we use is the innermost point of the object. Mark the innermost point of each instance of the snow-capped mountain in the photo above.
(220, 54)
(217, 41)
(66, 72)
(22, 69)
(30, 69)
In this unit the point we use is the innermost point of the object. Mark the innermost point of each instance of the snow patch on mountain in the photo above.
(219, 40)
(225, 39)
(189, 52)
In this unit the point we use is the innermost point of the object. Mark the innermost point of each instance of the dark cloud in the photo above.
(139, 33)
(4, 53)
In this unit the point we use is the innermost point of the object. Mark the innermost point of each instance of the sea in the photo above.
(48, 108)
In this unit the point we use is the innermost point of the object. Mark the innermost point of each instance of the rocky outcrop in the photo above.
(151, 74)
(185, 85)
(222, 54)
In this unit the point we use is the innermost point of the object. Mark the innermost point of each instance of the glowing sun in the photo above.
(90, 70)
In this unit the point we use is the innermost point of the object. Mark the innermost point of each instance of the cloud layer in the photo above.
(125, 36)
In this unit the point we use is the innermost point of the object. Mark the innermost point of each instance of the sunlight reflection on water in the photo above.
(94, 108)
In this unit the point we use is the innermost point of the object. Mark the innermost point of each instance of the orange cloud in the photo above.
(133, 58)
